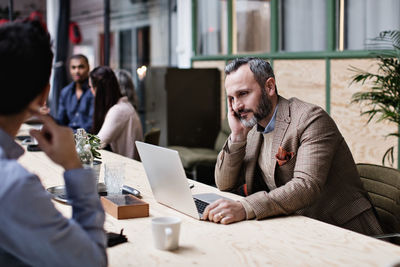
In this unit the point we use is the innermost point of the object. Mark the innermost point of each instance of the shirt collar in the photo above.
(271, 124)
(85, 85)
(10, 148)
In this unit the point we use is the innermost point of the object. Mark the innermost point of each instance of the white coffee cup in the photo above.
(166, 232)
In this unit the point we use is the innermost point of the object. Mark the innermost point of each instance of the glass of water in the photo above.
(114, 176)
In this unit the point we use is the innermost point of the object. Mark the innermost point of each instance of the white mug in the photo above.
(166, 232)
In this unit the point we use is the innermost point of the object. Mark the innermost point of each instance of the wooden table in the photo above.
(284, 241)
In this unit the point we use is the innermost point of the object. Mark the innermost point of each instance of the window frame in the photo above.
(332, 51)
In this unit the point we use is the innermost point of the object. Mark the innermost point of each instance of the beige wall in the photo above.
(367, 142)
(305, 79)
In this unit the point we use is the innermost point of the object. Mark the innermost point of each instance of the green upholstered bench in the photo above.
(194, 157)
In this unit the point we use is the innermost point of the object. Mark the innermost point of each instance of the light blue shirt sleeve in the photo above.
(35, 232)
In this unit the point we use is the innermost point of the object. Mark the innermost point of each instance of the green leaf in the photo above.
(382, 100)
(94, 142)
(389, 156)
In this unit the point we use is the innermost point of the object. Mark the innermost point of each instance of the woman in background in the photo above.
(126, 86)
(114, 119)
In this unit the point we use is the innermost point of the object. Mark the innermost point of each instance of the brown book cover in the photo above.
(125, 206)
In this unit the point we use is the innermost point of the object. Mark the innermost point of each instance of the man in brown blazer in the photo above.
(285, 156)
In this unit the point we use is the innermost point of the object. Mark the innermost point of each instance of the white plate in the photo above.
(59, 194)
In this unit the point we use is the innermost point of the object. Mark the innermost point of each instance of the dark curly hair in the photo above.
(25, 64)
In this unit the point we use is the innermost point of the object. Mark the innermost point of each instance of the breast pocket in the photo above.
(284, 173)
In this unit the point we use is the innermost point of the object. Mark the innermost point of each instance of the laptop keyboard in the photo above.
(201, 205)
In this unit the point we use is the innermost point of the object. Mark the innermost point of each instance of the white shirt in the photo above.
(121, 128)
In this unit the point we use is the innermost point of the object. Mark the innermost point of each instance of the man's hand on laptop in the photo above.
(224, 211)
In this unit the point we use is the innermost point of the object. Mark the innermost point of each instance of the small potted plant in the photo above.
(94, 142)
(85, 142)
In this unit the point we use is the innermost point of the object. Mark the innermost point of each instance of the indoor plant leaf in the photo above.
(382, 100)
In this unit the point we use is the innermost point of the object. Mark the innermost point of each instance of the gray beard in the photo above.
(250, 123)
(264, 108)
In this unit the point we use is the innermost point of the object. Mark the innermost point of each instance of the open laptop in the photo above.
(168, 180)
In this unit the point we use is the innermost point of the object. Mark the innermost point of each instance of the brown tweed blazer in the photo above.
(320, 180)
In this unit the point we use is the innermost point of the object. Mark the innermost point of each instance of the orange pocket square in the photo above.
(283, 156)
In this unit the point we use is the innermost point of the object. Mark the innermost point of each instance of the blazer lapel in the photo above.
(281, 124)
(251, 157)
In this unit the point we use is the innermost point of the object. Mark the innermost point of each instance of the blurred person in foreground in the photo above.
(115, 119)
(127, 87)
(286, 157)
(32, 231)
(75, 106)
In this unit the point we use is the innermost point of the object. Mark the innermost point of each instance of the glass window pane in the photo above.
(125, 50)
(252, 26)
(365, 19)
(303, 25)
(211, 27)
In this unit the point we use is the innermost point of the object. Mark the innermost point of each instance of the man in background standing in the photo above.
(75, 108)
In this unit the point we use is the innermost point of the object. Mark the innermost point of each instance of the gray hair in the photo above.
(126, 86)
(261, 69)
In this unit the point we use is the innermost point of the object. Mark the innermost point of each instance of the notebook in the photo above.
(168, 180)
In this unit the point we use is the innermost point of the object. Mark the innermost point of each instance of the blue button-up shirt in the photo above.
(271, 125)
(76, 113)
(33, 232)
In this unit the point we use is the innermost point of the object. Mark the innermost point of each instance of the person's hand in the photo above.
(238, 130)
(44, 110)
(57, 142)
(224, 211)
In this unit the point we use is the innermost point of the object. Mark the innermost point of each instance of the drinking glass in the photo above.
(114, 176)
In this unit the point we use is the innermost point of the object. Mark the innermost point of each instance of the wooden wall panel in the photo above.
(221, 66)
(304, 79)
(366, 141)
